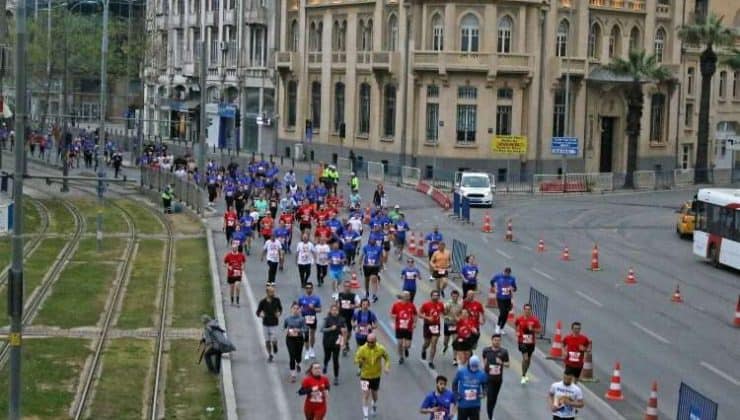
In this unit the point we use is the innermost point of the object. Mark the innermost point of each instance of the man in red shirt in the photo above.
(322, 214)
(315, 387)
(305, 213)
(527, 327)
(234, 261)
(322, 231)
(230, 221)
(430, 312)
(576, 345)
(266, 225)
(477, 314)
(403, 313)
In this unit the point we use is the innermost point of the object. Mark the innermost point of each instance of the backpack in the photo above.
(220, 341)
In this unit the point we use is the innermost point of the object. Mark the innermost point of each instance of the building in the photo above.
(239, 88)
(474, 71)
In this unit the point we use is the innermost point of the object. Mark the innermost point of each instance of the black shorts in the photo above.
(463, 344)
(232, 280)
(450, 328)
(373, 384)
(526, 348)
(428, 333)
(403, 334)
(370, 270)
(303, 226)
(574, 370)
(387, 246)
(437, 275)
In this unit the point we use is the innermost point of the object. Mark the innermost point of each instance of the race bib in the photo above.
(434, 329)
(364, 385)
(527, 338)
(371, 261)
(293, 332)
(363, 329)
(336, 260)
(403, 324)
(439, 415)
(574, 356)
(442, 272)
(505, 291)
(310, 319)
(346, 304)
(470, 394)
(411, 276)
(237, 272)
(235, 243)
(316, 397)
(229, 222)
(494, 369)
(452, 328)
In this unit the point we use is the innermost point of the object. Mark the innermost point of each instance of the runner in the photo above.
(463, 343)
(322, 250)
(431, 312)
(234, 261)
(230, 220)
(369, 358)
(350, 240)
(401, 227)
(527, 327)
(282, 234)
(433, 239)
(505, 285)
(469, 273)
(337, 259)
(273, 251)
(238, 238)
(364, 322)
(348, 301)
(270, 309)
(452, 311)
(266, 225)
(322, 231)
(410, 275)
(295, 329)
(315, 387)
(440, 403)
(565, 398)
(495, 359)
(287, 218)
(310, 306)
(576, 345)
(371, 254)
(439, 266)
(403, 313)
(305, 256)
(477, 314)
(334, 330)
(469, 386)
(305, 214)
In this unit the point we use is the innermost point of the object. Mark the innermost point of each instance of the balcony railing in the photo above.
(364, 58)
(229, 17)
(575, 66)
(491, 63)
(286, 60)
(624, 5)
(314, 58)
(663, 11)
(256, 15)
(194, 19)
(386, 61)
(338, 57)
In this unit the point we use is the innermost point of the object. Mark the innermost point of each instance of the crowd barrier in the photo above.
(539, 302)
(410, 176)
(185, 191)
(692, 405)
(375, 171)
(459, 252)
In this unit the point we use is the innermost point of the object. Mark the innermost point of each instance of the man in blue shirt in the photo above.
(350, 238)
(371, 256)
(282, 234)
(310, 306)
(469, 387)
(469, 273)
(433, 239)
(401, 227)
(337, 258)
(438, 403)
(410, 275)
(505, 285)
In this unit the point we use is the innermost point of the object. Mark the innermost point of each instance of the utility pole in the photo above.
(15, 280)
(568, 47)
(102, 136)
(203, 73)
(407, 8)
(128, 75)
(63, 143)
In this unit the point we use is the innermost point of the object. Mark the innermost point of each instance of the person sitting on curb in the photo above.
(214, 343)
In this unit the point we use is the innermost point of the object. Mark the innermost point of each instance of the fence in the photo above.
(410, 175)
(539, 302)
(375, 171)
(459, 252)
(692, 405)
(344, 165)
(186, 191)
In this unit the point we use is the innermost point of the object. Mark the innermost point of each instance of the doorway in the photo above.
(607, 144)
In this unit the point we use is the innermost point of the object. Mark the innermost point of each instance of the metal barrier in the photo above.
(539, 302)
(375, 171)
(410, 175)
(459, 252)
(683, 177)
(692, 405)
(644, 180)
(456, 204)
(186, 191)
(344, 165)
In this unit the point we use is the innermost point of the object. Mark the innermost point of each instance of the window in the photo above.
(635, 41)
(294, 36)
(615, 42)
(432, 91)
(258, 50)
(659, 44)
(690, 80)
(657, 117)
(432, 122)
(392, 43)
(389, 111)
(339, 35)
(505, 93)
(722, 84)
(503, 119)
(689, 115)
(466, 123)
(467, 92)
(558, 114)
(735, 82)
(314, 36)
(594, 39)
(686, 156)
(338, 106)
(561, 40)
(365, 40)
(316, 105)
(364, 114)
(469, 33)
(505, 27)
(438, 33)
(292, 102)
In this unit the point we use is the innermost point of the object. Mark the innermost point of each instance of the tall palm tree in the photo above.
(709, 32)
(640, 68)
(733, 59)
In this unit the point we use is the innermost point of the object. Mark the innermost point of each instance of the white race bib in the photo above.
(237, 272)
(363, 329)
(527, 338)
(293, 332)
(316, 397)
(346, 304)
(494, 369)
(434, 329)
(229, 222)
(470, 394)
(310, 319)
(574, 356)
(439, 415)
(365, 385)
(403, 324)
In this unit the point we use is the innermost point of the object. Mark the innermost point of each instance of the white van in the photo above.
(477, 187)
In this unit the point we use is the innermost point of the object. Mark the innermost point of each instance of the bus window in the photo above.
(713, 218)
(701, 215)
(726, 222)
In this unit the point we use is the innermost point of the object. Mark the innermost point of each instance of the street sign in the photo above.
(509, 144)
(567, 146)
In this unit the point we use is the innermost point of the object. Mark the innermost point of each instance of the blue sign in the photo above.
(226, 111)
(567, 146)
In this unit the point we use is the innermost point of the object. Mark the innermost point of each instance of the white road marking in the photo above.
(543, 274)
(526, 247)
(651, 333)
(720, 373)
(589, 298)
(503, 254)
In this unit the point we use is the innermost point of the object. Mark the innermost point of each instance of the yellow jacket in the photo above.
(369, 360)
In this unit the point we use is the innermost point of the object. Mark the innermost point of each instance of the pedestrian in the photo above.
(440, 403)
(505, 286)
(452, 312)
(431, 312)
(214, 343)
(565, 398)
(348, 301)
(576, 345)
(230, 221)
(379, 196)
(315, 387)
(464, 337)
(310, 307)
(272, 250)
(401, 227)
(371, 255)
(469, 273)
(270, 309)
(364, 322)
(404, 313)
(117, 163)
(234, 261)
(322, 250)
(410, 276)
(167, 197)
(439, 266)
(334, 330)
(373, 359)
(295, 328)
(527, 327)
(337, 261)
(477, 314)
(495, 359)
(469, 387)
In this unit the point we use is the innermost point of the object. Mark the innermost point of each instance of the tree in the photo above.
(733, 59)
(709, 32)
(640, 68)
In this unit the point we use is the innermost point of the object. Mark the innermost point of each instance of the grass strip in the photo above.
(144, 219)
(111, 250)
(60, 219)
(192, 392)
(31, 224)
(193, 294)
(186, 224)
(140, 302)
(114, 220)
(122, 387)
(51, 372)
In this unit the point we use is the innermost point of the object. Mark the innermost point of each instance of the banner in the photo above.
(509, 144)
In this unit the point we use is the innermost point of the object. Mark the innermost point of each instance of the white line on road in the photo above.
(543, 274)
(503, 254)
(720, 373)
(526, 247)
(589, 298)
(651, 333)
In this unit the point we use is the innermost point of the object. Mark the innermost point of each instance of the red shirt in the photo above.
(432, 309)
(305, 213)
(315, 398)
(404, 315)
(524, 323)
(475, 309)
(575, 346)
(333, 202)
(465, 328)
(322, 232)
(230, 218)
(287, 218)
(322, 215)
(266, 225)
(234, 263)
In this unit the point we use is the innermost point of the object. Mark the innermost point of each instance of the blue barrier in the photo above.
(456, 204)
(692, 405)
(465, 211)
(459, 252)
(539, 302)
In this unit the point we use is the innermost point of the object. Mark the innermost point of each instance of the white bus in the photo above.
(717, 232)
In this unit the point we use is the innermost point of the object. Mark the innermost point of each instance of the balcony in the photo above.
(210, 18)
(338, 59)
(575, 66)
(177, 20)
(314, 59)
(663, 11)
(286, 61)
(514, 63)
(621, 5)
(489, 63)
(161, 21)
(256, 16)
(386, 61)
(364, 60)
(229, 17)
(194, 19)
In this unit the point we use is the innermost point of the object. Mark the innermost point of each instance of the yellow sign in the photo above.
(14, 339)
(509, 144)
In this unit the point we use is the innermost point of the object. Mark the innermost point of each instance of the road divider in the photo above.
(595, 259)
(676, 297)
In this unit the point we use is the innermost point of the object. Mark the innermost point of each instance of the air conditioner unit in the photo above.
(223, 45)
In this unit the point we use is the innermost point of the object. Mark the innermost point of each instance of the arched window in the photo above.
(319, 36)
(660, 38)
(294, 36)
(438, 33)
(657, 117)
(615, 42)
(365, 36)
(335, 36)
(594, 39)
(635, 41)
(469, 33)
(389, 111)
(722, 84)
(392, 43)
(312, 37)
(505, 28)
(292, 101)
(316, 105)
(363, 125)
(338, 106)
(561, 40)
(690, 73)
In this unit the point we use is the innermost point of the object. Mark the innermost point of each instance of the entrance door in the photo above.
(607, 144)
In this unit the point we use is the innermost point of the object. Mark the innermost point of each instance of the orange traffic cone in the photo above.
(595, 259)
(492, 302)
(566, 254)
(353, 283)
(556, 351)
(615, 387)
(651, 412)
(677, 296)
(737, 313)
(587, 373)
(630, 277)
(541, 246)
(487, 227)
(512, 313)
(412, 244)
(420, 248)
(509, 231)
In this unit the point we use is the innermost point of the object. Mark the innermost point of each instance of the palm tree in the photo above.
(709, 32)
(733, 60)
(640, 68)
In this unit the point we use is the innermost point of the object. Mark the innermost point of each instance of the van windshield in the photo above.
(475, 182)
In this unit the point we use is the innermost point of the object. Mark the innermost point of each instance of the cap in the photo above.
(474, 362)
(396, 206)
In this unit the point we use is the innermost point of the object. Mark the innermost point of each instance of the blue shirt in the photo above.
(364, 321)
(376, 236)
(469, 274)
(282, 232)
(246, 223)
(443, 400)
(468, 387)
(401, 228)
(336, 259)
(335, 226)
(434, 238)
(238, 236)
(371, 255)
(349, 239)
(504, 285)
(306, 300)
(409, 277)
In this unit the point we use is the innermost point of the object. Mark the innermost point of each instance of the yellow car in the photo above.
(685, 220)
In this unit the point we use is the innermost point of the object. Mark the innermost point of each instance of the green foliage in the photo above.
(733, 59)
(640, 67)
(708, 31)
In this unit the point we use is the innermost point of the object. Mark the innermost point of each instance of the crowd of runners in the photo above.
(265, 209)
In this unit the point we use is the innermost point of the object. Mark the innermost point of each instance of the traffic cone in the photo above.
(353, 283)
(566, 254)
(595, 259)
(512, 313)
(631, 277)
(492, 302)
(615, 386)
(541, 246)
(509, 231)
(587, 373)
(737, 313)
(420, 247)
(486, 228)
(651, 412)
(412, 244)
(677, 296)
(556, 351)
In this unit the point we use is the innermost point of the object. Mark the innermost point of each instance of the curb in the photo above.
(227, 380)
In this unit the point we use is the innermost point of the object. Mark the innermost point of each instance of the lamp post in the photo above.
(407, 9)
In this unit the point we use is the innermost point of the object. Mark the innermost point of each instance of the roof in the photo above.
(719, 196)
(603, 75)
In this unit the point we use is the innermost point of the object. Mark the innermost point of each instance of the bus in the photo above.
(717, 231)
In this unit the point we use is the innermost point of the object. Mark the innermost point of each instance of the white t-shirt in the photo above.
(355, 224)
(322, 254)
(559, 390)
(273, 248)
(305, 251)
